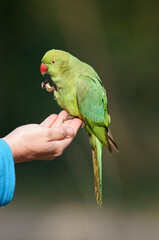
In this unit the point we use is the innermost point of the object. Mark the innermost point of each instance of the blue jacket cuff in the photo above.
(7, 173)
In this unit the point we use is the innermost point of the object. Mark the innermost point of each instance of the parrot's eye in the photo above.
(53, 62)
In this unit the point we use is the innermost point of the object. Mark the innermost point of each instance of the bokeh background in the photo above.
(55, 200)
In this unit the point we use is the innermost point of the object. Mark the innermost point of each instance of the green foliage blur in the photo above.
(120, 39)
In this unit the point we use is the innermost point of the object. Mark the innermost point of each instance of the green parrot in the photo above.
(78, 89)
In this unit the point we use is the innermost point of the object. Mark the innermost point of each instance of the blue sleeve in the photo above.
(7, 174)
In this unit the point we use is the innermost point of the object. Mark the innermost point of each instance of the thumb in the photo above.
(59, 133)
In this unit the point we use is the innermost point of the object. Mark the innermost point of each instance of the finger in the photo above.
(59, 133)
(49, 120)
(74, 123)
(60, 117)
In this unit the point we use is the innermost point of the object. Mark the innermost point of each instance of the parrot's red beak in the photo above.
(43, 68)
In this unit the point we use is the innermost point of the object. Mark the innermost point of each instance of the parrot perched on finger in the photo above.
(78, 89)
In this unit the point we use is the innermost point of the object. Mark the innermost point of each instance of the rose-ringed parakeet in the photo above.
(78, 89)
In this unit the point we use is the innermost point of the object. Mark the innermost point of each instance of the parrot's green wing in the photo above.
(92, 104)
(92, 101)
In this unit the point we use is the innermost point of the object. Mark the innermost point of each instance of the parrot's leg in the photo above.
(69, 116)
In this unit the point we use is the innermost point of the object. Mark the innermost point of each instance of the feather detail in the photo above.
(111, 141)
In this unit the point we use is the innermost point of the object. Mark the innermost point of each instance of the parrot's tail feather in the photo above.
(111, 141)
(97, 166)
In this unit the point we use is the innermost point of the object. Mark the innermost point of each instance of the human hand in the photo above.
(43, 141)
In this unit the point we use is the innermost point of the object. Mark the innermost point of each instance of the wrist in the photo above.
(13, 148)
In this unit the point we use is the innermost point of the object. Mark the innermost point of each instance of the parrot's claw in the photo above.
(83, 125)
(67, 117)
(48, 86)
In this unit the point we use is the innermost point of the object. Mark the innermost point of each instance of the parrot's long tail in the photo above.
(97, 166)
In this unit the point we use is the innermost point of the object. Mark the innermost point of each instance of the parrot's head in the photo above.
(54, 63)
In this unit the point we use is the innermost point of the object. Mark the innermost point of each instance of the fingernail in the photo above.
(70, 132)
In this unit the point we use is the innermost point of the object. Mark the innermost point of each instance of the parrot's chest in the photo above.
(66, 98)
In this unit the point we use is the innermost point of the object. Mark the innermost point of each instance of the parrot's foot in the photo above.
(48, 86)
(67, 117)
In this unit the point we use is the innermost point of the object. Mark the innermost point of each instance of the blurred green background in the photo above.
(55, 200)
